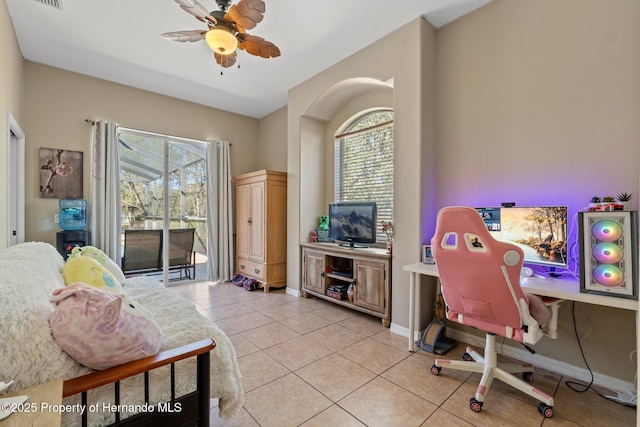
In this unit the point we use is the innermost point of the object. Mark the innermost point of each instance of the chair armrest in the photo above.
(535, 331)
(120, 372)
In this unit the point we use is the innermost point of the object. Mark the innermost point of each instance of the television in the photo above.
(353, 223)
(540, 231)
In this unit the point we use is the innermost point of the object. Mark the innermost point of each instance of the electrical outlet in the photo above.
(56, 218)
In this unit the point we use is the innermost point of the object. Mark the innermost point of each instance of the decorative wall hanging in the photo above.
(60, 173)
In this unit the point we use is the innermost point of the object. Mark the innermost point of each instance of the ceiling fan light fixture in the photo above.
(221, 40)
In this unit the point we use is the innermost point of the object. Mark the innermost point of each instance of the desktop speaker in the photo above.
(608, 255)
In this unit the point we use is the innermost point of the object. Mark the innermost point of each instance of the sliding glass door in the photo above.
(163, 191)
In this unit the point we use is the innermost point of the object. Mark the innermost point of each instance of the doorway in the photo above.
(163, 184)
(15, 181)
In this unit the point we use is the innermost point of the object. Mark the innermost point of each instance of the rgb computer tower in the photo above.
(609, 253)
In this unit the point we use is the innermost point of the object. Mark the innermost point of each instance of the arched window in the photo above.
(364, 163)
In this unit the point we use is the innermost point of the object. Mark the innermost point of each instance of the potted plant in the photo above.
(624, 199)
(594, 202)
(608, 203)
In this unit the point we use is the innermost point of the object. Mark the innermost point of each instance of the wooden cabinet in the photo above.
(314, 271)
(328, 269)
(261, 227)
(370, 285)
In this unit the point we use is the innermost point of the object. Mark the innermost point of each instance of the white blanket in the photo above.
(28, 353)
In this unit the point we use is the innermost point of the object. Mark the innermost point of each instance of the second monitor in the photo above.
(540, 231)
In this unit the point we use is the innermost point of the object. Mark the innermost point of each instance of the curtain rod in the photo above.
(93, 122)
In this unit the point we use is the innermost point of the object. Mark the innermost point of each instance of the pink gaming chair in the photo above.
(480, 280)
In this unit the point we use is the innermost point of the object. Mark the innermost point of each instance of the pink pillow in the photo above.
(100, 329)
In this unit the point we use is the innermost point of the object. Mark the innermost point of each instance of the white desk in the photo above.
(563, 288)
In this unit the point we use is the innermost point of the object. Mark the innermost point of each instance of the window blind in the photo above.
(364, 165)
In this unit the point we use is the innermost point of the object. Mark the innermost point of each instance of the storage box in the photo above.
(336, 295)
(338, 291)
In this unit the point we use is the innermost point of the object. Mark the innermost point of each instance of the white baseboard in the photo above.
(543, 362)
(547, 363)
(294, 292)
(403, 332)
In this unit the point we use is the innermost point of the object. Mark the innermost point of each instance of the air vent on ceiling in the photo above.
(55, 3)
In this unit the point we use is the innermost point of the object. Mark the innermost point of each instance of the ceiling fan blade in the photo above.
(226, 61)
(184, 36)
(246, 14)
(257, 46)
(197, 10)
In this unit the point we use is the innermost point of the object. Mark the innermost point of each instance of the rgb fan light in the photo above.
(607, 230)
(608, 275)
(608, 253)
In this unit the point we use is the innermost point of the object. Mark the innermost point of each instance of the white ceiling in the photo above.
(119, 41)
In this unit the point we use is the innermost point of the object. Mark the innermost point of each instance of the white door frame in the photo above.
(15, 181)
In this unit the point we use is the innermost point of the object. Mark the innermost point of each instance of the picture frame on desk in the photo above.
(427, 255)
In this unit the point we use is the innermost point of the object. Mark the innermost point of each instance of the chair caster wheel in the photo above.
(435, 370)
(467, 357)
(545, 410)
(528, 377)
(475, 405)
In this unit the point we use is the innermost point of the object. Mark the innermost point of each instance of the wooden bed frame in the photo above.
(194, 407)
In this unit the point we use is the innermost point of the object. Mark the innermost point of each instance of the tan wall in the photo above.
(10, 102)
(398, 56)
(539, 103)
(272, 145)
(57, 102)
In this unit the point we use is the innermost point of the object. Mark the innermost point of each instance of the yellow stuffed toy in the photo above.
(101, 257)
(87, 270)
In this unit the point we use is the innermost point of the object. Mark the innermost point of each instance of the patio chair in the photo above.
(142, 251)
(181, 253)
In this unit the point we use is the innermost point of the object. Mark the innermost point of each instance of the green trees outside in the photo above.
(142, 180)
(364, 164)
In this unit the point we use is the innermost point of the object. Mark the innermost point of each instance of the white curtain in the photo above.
(219, 211)
(104, 212)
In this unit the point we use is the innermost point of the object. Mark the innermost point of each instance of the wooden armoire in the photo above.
(261, 227)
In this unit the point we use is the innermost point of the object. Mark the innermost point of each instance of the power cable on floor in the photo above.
(573, 385)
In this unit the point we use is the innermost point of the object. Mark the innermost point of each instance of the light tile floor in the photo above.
(307, 362)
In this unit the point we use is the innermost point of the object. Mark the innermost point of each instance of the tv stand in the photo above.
(329, 269)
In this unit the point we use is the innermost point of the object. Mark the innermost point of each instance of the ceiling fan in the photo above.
(227, 29)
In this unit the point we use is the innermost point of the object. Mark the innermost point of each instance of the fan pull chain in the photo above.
(222, 73)
(222, 70)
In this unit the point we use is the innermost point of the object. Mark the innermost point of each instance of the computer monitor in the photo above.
(540, 231)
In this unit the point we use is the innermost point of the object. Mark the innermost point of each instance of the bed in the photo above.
(30, 272)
